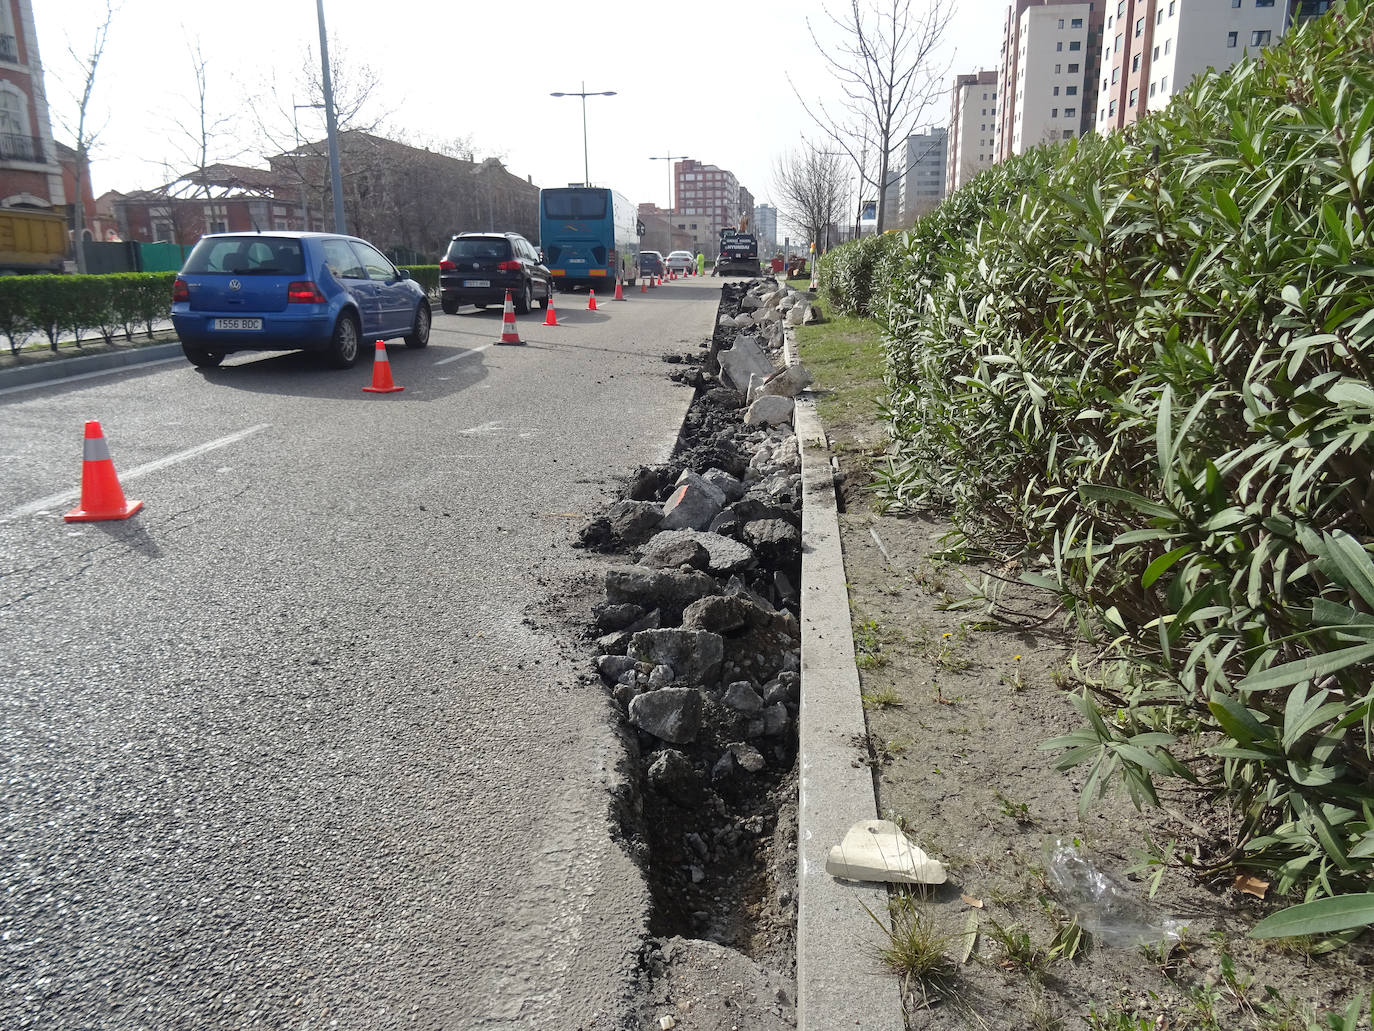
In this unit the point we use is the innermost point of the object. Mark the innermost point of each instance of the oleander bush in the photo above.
(1141, 364)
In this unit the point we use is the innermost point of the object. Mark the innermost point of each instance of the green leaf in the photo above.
(1338, 913)
(1238, 721)
(1121, 496)
(1159, 566)
(1290, 673)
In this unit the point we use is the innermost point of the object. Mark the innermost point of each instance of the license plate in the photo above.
(238, 323)
(477, 282)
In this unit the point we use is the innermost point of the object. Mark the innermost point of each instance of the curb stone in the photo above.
(69, 368)
(840, 983)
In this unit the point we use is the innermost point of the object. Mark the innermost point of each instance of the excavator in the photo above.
(739, 251)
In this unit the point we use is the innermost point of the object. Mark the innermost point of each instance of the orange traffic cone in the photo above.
(508, 333)
(644, 284)
(591, 299)
(619, 294)
(101, 497)
(381, 373)
(550, 316)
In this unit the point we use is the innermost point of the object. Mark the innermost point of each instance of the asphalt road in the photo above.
(281, 751)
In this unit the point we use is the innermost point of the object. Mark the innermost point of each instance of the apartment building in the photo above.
(766, 227)
(923, 177)
(707, 202)
(972, 143)
(30, 170)
(1048, 75)
(1154, 48)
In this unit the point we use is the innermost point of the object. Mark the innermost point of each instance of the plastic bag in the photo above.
(1103, 908)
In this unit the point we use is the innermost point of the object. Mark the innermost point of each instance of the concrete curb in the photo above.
(69, 368)
(840, 983)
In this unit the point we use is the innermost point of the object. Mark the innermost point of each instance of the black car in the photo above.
(480, 267)
(650, 263)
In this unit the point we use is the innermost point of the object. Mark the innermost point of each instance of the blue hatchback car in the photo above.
(287, 291)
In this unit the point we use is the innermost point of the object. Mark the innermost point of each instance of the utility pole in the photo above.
(332, 125)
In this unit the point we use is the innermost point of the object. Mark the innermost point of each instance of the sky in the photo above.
(706, 79)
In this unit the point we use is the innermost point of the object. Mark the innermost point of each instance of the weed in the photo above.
(913, 946)
(1018, 951)
(881, 698)
(1018, 811)
(945, 654)
(868, 645)
(1013, 679)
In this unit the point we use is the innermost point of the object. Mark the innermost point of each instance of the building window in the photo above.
(1154, 56)
(1172, 5)
(1054, 112)
(1057, 68)
(1070, 112)
(218, 226)
(1121, 9)
(1152, 89)
(1259, 38)
(1056, 91)
(1071, 91)
(1073, 69)
(1139, 26)
(1135, 97)
(1117, 47)
(1235, 3)
(1116, 76)
(1076, 23)
(1159, 16)
(1068, 134)
(1111, 109)
(1230, 41)
(1076, 45)
(1061, 23)
(1135, 63)
(1163, 82)
(1058, 46)
(1264, 3)
(1168, 45)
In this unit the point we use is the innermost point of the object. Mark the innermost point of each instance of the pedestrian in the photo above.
(701, 264)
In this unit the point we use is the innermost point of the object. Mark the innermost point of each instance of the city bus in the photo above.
(589, 236)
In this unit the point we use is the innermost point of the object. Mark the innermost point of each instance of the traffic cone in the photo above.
(101, 497)
(381, 373)
(508, 333)
(644, 284)
(550, 316)
(591, 299)
(619, 294)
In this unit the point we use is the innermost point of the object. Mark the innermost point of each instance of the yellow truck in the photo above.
(31, 241)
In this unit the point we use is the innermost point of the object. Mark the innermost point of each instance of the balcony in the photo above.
(9, 48)
(14, 147)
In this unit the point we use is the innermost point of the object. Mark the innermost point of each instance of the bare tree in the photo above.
(811, 189)
(81, 133)
(884, 64)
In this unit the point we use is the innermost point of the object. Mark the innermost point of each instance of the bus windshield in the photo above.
(589, 236)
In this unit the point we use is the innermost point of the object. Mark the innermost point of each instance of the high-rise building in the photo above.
(1048, 77)
(923, 176)
(707, 201)
(972, 144)
(1151, 49)
(766, 228)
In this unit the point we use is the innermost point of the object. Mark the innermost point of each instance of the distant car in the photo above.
(479, 268)
(681, 261)
(650, 263)
(288, 290)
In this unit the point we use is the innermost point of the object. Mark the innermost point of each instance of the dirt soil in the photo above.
(957, 703)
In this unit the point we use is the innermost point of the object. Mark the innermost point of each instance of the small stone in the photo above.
(671, 714)
(742, 697)
(672, 775)
(659, 677)
(748, 757)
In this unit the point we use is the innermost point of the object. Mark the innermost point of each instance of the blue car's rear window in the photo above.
(246, 256)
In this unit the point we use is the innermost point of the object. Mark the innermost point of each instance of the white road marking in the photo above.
(90, 375)
(34, 507)
(465, 354)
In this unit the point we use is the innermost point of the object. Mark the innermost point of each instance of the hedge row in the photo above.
(1142, 364)
(81, 307)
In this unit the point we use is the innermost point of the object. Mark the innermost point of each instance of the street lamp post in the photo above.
(586, 168)
(331, 124)
(670, 158)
